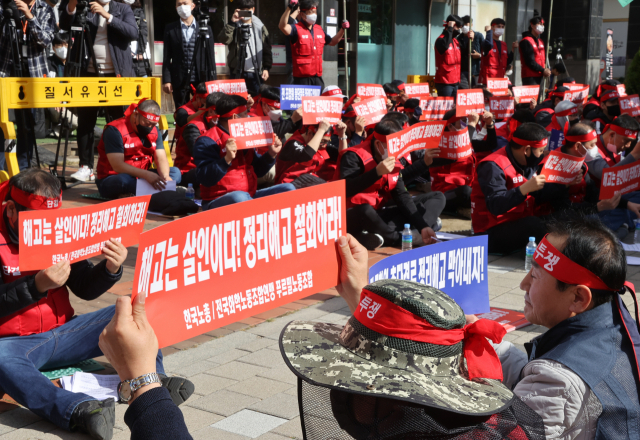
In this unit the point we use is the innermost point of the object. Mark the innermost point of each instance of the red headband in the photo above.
(409, 110)
(609, 94)
(351, 114)
(568, 112)
(31, 201)
(391, 95)
(332, 92)
(583, 137)
(381, 137)
(235, 111)
(197, 95)
(532, 144)
(621, 131)
(271, 102)
(394, 321)
(401, 86)
(150, 116)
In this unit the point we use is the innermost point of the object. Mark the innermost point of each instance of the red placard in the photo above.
(623, 179)
(228, 86)
(622, 90)
(75, 234)
(498, 86)
(630, 105)
(435, 108)
(526, 93)
(561, 168)
(420, 136)
(415, 90)
(317, 108)
(502, 107)
(251, 132)
(574, 87)
(209, 270)
(469, 101)
(578, 96)
(372, 109)
(510, 319)
(455, 145)
(365, 90)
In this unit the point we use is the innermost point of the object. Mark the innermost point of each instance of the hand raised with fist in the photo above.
(232, 150)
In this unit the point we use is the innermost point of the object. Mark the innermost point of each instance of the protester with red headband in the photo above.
(608, 107)
(532, 53)
(615, 138)
(128, 148)
(544, 111)
(192, 109)
(448, 58)
(393, 96)
(564, 113)
(269, 105)
(355, 127)
(496, 56)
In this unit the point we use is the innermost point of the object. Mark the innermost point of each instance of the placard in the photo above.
(498, 86)
(455, 145)
(468, 101)
(415, 90)
(510, 319)
(457, 267)
(420, 136)
(622, 179)
(371, 109)
(622, 90)
(526, 93)
(212, 269)
(574, 87)
(75, 234)
(435, 108)
(228, 86)
(251, 132)
(365, 90)
(579, 96)
(556, 140)
(630, 105)
(502, 107)
(316, 109)
(291, 95)
(279, 53)
(561, 168)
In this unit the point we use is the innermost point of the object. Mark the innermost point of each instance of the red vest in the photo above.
(578, 192)
(539, 55)
(481, 218)
(320, 166)
(447, 177)
(494, 64)
(240, 175)
(448, 64)
(184, 161)
(306, 52)
(50, 312)
(135, 153)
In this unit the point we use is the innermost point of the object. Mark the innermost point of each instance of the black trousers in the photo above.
(253, 82)
(532, 81)
(388, 221)
(510, 236)
(458, 198)
(308, 81)
(189, 177)
(181, 96)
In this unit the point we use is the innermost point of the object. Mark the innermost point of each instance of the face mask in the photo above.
(498, 32)
(61, 52)
(144, 131)
(465, 29)
(212, 120)
(246, 19)
(274, 115)
(13, 233)
(592, 154)
(540, 28)
(533, 161)
(311, 18)
(611, 145)
(103, 2)
(184, 11)
(456, 32)
(385, 153)
(129, 2)
(614, 110)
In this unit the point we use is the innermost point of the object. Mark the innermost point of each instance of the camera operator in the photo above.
(112, 27)
(139, 53)
(57, 62)
(253, 33)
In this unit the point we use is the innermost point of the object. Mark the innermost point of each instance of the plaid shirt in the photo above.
(40, 32)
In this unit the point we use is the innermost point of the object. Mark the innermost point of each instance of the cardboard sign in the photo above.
(455, 145)
(630, 105)
(228, 86)
(469, 101)
(251, 132)
(457, 267)
(291, 96)
(372, 109)
(622, 90)
(561, 168)
(75, 234)
(420, 136)
(435, 108)
(502, 107)
(321, 107)
(526, 93)
(498, 86)
(415, 90)
(509, 319)
(556, 140)
(365, 90)
(623, 179)
(579, 96)
(209, 270)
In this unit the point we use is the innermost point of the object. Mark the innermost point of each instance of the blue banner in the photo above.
(457, 267)
(291, 95)
(556, 140)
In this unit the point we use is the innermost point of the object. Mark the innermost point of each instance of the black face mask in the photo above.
(13, 234)
(143, 131)
(614, 110)
(533, 161)
(456, 32)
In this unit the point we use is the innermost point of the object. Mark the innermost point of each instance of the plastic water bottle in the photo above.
(191, 193)
(531, 248)
(407, 238)
(636, 237)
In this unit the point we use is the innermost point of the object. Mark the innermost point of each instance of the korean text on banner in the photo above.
(321, 107)
(291, 95)
(251, 132)
(556, 140)
(574, 87)
(526, 93)
(457, 267)
(455, 145)
(622, 179)
(209, 270)
(502, 107)
(420, 136)
(469, 101)
(498, 86)
(579, 96)
(561, 168)
(228, 86)
(365, 90)
(435, 108)
(371, 109)
(630, 105)
(74, 234)
(415, 90)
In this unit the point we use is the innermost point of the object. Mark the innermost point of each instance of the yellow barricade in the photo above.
(27, 93)
(416, 79)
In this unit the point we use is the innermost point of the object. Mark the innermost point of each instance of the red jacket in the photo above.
(320, 165)
(184, 161)
(307, 51)
(540, 57)
(494, 64)
(448, 64)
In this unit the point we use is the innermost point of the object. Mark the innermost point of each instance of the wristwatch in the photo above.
(343, 138)
(128, 387)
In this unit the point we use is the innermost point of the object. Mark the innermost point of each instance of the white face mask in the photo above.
(611, 146)
(275, 115)
(311, 18)
(246, 19)
(498, 32)
(103, 2)
(61, 52)
(465, 29)
(592, 154)
(129, 2)
(540, 28)
(184, 11)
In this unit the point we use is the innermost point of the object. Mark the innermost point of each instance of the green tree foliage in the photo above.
(632, 81)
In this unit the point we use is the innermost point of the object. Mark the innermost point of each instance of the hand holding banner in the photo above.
(455, 145)
(420, 136)
(371, 109)
(526, 94)
(291, 95)
(468, 101)
(498, 86)
(435, 108)
(365, 90)
(561, 168)
(415, 90)
(316, 109)
(623, 179)
(630, 105)
(251, 132)
(228, 86)
(502, 107)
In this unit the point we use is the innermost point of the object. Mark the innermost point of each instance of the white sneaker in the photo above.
(84, 174)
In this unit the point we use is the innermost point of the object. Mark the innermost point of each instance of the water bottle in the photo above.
(407, 238)
(191, 193)
(531, 248)
(636, 237)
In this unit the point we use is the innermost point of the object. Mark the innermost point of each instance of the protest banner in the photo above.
(420, 136)
(622, 90)
(251, 132)
(415, 90)
(468, 101)
(630, 105)
(220, 266)
(228, 86)
(371, 109)
(510, 319)
(457, 267)
(75, 234)
(498, 86)
(455, 145)
(573, 87)
(435, 108)
(623, 179)
(365, 90)
(556, 140)
(291, 95)
(321, 107)
(526, 93)
(561, 168)
(502, 107)
(578, 96)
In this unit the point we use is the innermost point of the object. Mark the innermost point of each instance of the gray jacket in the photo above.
(265, 56)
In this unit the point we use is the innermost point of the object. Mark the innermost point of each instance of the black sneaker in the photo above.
(95, 418)
(179, 388)
(370, 241)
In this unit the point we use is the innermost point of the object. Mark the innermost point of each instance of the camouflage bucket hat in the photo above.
(359, 360)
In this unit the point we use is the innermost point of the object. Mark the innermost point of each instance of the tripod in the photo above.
(207, 72)
(141, 50)
(243, 35)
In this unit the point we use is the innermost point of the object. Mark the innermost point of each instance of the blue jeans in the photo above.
(614, 218)
(447, 89)
(241, 196)
(112, 187)
(22, 356)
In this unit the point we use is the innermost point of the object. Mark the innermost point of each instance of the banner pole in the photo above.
(346, 50)
(543, 84)
(470, 41)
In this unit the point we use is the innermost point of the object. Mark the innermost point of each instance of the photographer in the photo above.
(252, 32)
(112, 27)
(138, 53)
(57, 62)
